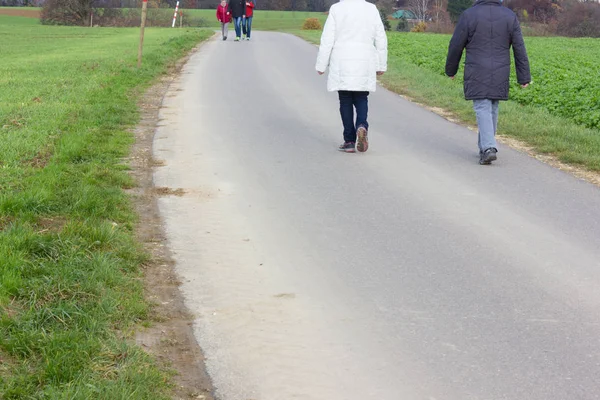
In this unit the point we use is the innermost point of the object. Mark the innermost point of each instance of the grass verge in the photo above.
(547, 133)
(70, 289)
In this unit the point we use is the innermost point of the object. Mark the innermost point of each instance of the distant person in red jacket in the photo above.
(224, 17)
(247, 24)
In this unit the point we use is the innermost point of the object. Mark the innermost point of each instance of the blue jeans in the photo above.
(237, 21)
(487, 122)
(247, 26)
(348, 101)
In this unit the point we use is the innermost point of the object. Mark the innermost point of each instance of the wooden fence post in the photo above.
(142, 26)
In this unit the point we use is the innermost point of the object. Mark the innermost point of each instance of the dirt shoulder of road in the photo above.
(20, 12)
(170, 338)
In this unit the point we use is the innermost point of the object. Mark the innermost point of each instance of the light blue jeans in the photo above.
(487, 122)
(237, 22)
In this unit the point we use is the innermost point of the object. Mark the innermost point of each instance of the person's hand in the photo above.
(228, 13)
(243, 16)
(320, 72)
(379, 73)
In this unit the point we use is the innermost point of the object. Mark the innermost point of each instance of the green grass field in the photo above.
(263, 19)
(558, 114)
(266, 20)
(70, 289)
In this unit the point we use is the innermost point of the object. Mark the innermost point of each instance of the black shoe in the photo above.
(486, 157)
(224, 37)
(348, 147)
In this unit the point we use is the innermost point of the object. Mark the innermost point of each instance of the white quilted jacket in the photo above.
(353, 46)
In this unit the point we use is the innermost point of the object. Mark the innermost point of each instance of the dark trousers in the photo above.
(247, 26)
(349, 100)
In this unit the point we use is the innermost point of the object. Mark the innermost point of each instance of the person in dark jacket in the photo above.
(238, 11)
(488, 31)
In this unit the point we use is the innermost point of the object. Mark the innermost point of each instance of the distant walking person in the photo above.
(247, 22)
(238, 10)
(354, 47)
(224, 17)
(488, 30)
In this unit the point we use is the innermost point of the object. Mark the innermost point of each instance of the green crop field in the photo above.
(566, 72)
(70, 289)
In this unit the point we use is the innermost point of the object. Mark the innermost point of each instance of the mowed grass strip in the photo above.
(416, 69)
(70, 288)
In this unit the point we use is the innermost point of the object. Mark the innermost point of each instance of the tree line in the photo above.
(545, 17)
(575, 18)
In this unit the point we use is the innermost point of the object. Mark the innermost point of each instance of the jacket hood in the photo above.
(483, 2)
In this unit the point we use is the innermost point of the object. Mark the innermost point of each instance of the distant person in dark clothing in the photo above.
(238, 11)
(488, 31)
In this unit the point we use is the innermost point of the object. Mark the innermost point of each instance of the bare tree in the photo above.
(439, 9)
(66, 12)
(420, 8)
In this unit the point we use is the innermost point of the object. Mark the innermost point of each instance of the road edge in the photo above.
(170, 337)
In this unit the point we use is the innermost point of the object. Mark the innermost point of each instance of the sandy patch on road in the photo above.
(170, 338)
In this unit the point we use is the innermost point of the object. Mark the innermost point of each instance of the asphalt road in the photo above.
(408, 272)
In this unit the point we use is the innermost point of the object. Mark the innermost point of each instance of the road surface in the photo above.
(409, 272)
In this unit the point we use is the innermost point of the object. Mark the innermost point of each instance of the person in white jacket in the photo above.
(354, 47)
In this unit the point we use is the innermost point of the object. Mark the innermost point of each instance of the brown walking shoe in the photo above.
(362, 143)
